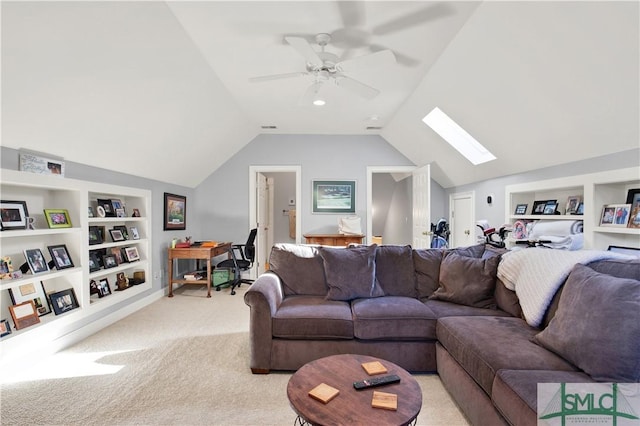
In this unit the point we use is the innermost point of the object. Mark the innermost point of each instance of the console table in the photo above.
(197, 253)
(340, 240)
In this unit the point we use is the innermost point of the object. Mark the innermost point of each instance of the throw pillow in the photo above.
(350, 272)
(468, 281)
(427, 266)
(394, 270)
(470, 251)
(300, 269)
(597, 326)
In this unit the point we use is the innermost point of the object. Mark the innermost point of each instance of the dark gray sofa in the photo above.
(435, 310)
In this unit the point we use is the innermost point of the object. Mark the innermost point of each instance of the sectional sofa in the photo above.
(454, 312)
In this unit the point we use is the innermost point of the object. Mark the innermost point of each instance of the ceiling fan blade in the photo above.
(356, 87)
(304, 48)
(401, 58)
(352, 13)
(377, 59)
(428, 13)
(311, 94)
(276, 76)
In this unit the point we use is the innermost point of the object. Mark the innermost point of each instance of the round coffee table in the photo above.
(351, 406)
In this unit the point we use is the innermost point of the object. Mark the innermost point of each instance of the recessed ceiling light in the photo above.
(457, 137)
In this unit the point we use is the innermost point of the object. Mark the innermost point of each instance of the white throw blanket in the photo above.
(536, 274)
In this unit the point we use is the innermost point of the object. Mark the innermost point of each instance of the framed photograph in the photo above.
(95, 236)
(117, 253)
(633, 198)
(94, 262)
(131, 253)
(101, 211)
(24, 314)
(6, 268)
(634, 220)
(103, 287)
(64, 301)
(116, 235)
(122, 229)
(615, 215)
(13, 215)
(90, 212)
(580, 208)
(550, 207)
(134, 233)
(334, 196)
(117, 204)
(136, 213)
(109, 261)
(31, 292)
(572, 204)
(36, 261)
(538, 207)
(60, 256)
(521, 209)
(93, 289)
(106, 206)
(57, 218)
(175, 212)
(5, 328)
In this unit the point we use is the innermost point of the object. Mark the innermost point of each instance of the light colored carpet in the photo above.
(179, 361)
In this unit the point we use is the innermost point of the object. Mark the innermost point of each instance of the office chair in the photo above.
(243, 262)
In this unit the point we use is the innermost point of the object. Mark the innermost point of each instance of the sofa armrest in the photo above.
(263, 298)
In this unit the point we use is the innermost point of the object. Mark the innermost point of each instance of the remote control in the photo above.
(376, 381)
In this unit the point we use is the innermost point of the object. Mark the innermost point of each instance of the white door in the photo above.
(461, 219)
(262, 216)
(422, 207)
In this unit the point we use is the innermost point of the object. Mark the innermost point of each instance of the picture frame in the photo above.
(131, 254)
(124, 231)
(175, 212)
(5, 328)
(116, 235)
(106, 206)
(580, 208)
(615, 215)
(57, 218)
(36, 261)
(634, 219)
(93, 289)
(117, 253)
(334, 196)
(572, 204)
(60, 256)
(633, 198)
(101, 211)
(521, 209)
(550, 207)
(6, 268)
(136, 213)
(90, 212)
(31, 292)
(135, 235)
(64, 301)
(24, 314)
(13, 215)
(109, 261)
(95, 236)
(103, 287)
(33, 163)
(118, 207)
(94, 262)
(538, 207)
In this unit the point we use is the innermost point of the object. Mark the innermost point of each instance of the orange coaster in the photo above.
(374, 367)
(323, 393)
(386, 401)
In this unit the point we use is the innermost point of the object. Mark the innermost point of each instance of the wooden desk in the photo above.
(340, 240)
(351, 406)
(198, 253)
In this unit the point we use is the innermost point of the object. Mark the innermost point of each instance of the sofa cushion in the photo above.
(593, 308)
(300, 269)
(427, 270)
(515, 392)
(506, 299)
(468, 281)
(448, 309)
(394, 270)
(312, 317)
(350, 272)
(484, 345)
(476, 251)
(393, 318)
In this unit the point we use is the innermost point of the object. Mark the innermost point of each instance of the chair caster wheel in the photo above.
(233, 292)
(217, 288)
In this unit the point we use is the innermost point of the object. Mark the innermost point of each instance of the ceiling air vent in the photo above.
(269, 127)
(374, 127)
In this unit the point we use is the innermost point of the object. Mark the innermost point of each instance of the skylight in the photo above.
(457, 137)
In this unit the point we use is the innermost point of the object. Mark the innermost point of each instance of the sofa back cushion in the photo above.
(350, 272)
(394, 270)
(427, 270)
(300, 269)
(467, 281)
(597, 325)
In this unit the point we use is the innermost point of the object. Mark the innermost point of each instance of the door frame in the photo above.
(370, 171)
(458, 195)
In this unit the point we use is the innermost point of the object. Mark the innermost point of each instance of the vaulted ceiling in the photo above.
(110, 83)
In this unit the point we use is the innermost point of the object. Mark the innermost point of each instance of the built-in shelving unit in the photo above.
(595, 189)
(52, 192)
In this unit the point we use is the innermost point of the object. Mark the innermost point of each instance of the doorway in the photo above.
(461, 219)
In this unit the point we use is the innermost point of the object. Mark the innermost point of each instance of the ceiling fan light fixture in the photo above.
(319, 102)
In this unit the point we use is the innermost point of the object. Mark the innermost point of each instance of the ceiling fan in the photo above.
(325, 68)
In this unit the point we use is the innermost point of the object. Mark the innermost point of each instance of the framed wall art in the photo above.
(31, 292)
(334, 196)
(57, 218)
(34, 163)
(175, 212)
(60, 256)
(13, 215)
(36, 261)
(64, 301)
(24, 314)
